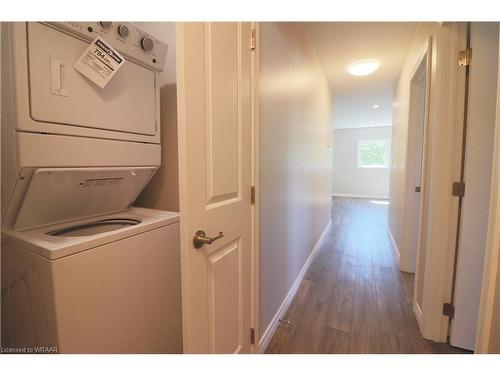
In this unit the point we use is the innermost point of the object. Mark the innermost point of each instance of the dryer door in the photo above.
(61, 95)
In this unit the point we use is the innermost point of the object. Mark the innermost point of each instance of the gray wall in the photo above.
(348, 179)
(162, 192)
(295, 160)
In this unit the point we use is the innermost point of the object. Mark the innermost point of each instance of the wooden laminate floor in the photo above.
(353, 298)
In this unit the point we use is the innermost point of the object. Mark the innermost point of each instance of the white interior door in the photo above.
(477, 177)
(215, 120)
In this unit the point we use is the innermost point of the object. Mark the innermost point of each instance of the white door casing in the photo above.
(417, 155)
(214, 86)
(417, 121)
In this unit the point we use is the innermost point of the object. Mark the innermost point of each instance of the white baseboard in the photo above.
(273, 325)
(393, 244)
(348, 195)
(418, 314)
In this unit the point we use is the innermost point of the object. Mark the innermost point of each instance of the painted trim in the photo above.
(418, 314)
(255, 283)
(182, 155)
(421, 68)
(425, 61)
(349, 195)
(393, 243)
(273, 325)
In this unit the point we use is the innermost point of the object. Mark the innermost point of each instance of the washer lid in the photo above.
(56, 195)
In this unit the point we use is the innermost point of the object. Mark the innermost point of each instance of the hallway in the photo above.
(353, 298)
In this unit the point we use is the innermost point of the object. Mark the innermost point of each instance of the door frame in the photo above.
(424, 59)
(491, 267)
(255, 267)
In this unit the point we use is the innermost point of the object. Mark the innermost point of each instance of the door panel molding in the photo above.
(222, 84)
(225, 289)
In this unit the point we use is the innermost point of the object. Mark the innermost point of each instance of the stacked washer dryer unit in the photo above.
(82, 270)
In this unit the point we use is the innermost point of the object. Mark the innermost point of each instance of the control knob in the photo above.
(147, 43)
(105, 24)
(123, 31)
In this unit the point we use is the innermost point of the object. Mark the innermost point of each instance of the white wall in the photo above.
(295, 160)
(348, 178)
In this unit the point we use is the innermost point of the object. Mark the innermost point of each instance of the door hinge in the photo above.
(252, 195)
(252, 336)
(448, 310)
(458, 189)
(253, 39)
(464, 57)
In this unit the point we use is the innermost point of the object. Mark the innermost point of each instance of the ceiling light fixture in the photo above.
(375, 106)
(363, 67)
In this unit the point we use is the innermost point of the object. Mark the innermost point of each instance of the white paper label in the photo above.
(99, 62)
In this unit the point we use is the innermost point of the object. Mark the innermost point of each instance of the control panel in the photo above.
(129, 39)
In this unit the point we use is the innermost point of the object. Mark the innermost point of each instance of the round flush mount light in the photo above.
(375, 106)
(363, 67)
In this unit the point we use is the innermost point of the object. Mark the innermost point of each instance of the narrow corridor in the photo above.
(353, 298)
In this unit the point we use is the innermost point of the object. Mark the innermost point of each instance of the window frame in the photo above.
(387, 146)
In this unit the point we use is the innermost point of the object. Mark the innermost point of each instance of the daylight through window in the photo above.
(373, 154)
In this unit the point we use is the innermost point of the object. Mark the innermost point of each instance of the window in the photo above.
(373, 154)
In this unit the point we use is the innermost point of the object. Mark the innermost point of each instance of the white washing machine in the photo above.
(100, 284)
(82, 270)
(109, 284)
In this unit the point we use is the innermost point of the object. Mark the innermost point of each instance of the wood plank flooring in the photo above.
(353, 298)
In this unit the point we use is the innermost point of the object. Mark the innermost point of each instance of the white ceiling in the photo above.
(356, 111)
(338, 44)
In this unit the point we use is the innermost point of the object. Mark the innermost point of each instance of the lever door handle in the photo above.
(200, 239)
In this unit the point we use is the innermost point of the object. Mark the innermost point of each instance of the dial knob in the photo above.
(123, 31)
(147, 43)
(105, 24)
